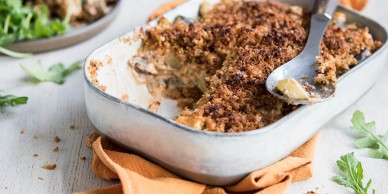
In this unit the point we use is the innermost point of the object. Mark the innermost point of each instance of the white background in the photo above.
(52, 108)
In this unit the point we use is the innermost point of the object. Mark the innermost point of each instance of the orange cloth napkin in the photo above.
(165, 8)
(355, 4)
(138, 175)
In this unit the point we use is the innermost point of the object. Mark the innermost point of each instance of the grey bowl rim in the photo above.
(84, 29)
(229, 134)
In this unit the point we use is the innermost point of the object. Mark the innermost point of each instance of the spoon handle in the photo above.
(325, 7)
(322, 15)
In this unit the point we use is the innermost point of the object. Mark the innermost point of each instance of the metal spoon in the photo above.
(302, 67)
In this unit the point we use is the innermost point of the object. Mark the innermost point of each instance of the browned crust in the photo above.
(93, 68)
(238, 45)
(355, 4)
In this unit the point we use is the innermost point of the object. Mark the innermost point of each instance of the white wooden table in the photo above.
(52, 108)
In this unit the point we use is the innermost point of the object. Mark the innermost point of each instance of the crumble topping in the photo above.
(93, 70)
(216, 65)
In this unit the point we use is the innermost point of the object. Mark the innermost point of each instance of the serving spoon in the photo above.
(302, 68)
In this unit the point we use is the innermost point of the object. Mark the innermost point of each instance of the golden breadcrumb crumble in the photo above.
(216, 65)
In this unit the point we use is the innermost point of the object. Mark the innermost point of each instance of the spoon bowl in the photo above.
(303, 67)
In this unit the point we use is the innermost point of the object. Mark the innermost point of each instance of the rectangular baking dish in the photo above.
(208, 157)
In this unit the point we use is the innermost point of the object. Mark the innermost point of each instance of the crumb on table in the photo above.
(57, 139)
(49, 166)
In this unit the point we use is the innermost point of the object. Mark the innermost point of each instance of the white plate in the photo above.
(70, 38)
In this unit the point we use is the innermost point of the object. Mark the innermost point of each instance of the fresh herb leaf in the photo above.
(11, 100)
(368, 138)
(6, 39)
(60, 27)
(14, 54)
(56, 73)
(352, 174)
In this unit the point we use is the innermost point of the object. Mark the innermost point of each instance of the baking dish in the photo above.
(209, 157)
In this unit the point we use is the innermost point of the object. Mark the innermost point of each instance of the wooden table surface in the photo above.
(52, 108)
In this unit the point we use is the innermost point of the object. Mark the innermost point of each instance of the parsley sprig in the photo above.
(11, 100)
(56, 73)
(368, 138)
(352, 174)
(19, 22)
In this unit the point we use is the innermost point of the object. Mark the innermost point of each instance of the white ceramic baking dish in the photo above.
(208, 157)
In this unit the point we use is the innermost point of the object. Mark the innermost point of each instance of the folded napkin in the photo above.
(355, 4)
(138, 175)
(165, 8)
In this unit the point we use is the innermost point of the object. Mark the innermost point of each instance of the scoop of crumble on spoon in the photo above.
(294, 82)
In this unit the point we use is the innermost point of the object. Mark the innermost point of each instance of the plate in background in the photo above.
(70, 38)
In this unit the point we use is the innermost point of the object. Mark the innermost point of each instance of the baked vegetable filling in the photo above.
(216, 64)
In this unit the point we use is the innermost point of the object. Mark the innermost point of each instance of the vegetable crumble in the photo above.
(216, 65)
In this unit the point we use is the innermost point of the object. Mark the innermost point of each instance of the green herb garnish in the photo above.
(56, 73)
(19, 22)
(352, 174)
(368, 138)
(11, 100)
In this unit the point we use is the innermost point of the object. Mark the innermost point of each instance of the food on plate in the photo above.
(80, 11)
(22, 20)
(216, 64)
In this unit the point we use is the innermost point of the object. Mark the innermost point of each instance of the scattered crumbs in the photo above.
(22, 130)
(72, 126)
(36, 136)
(316, 188)
(310, 192)
(154, 105)
(40, 178)
(305, 77)
(35, 155)
(124, 97)
(56, 149)
(83, 158)
(57, 139)
(48, 166)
